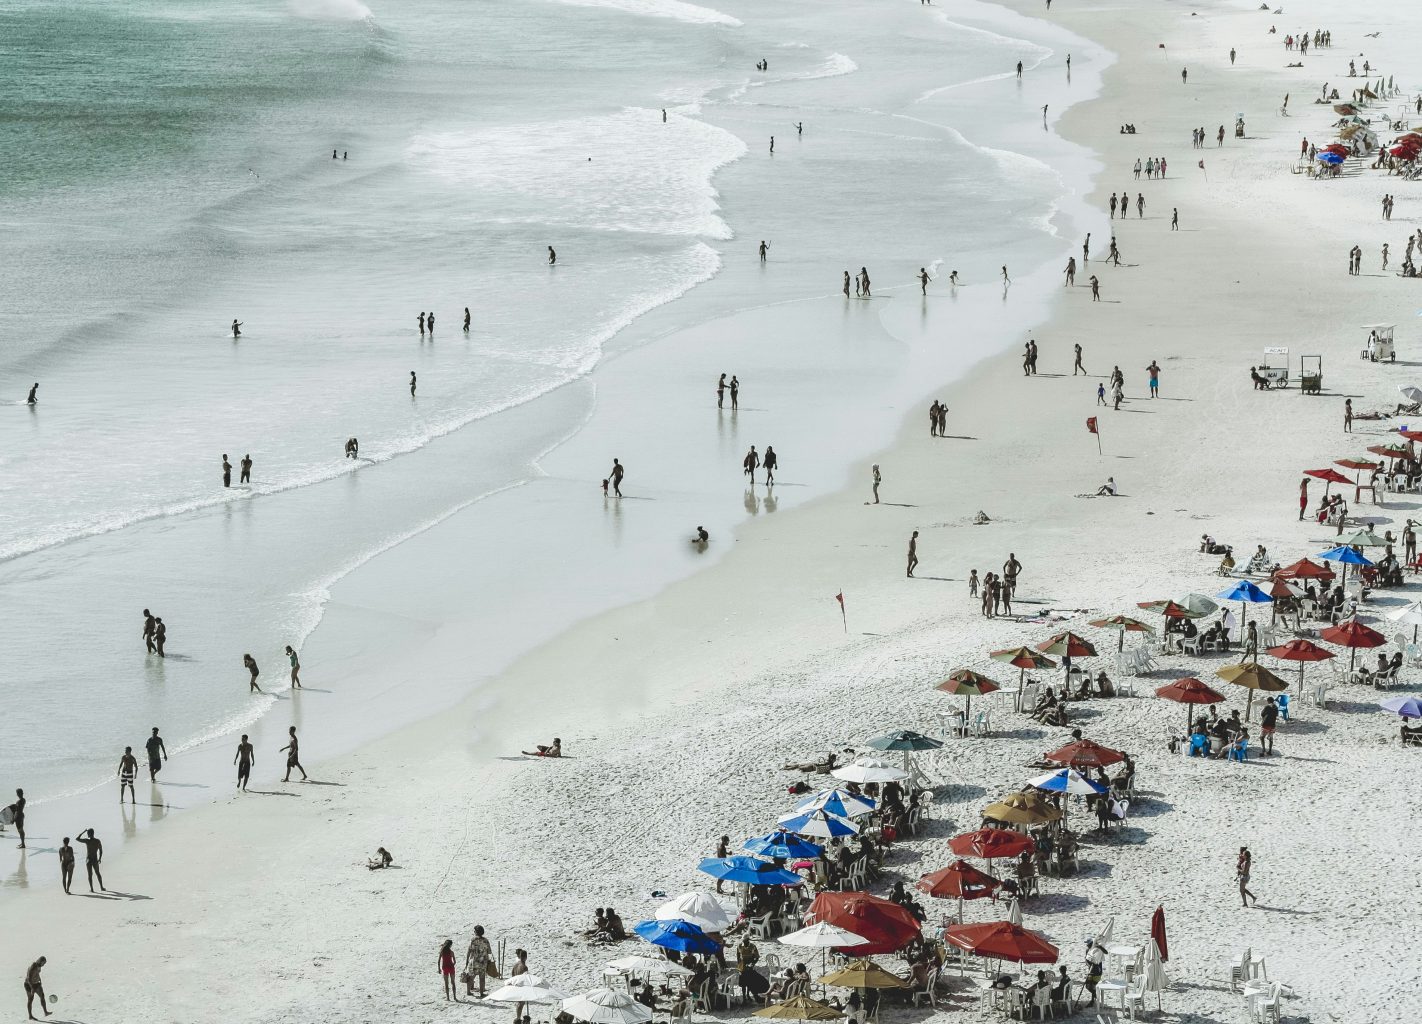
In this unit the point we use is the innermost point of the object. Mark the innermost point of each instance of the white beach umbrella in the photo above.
(527, 988)
(1411, 392)
(1156, 980)
(867, 768)
(605, 1006)
(637, 964)
(1409, 614)
(838, 801)
(1104, 938)
(822, 935)
(696, 908)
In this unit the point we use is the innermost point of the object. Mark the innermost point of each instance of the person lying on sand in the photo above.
(826, 765)
(382, 859)
(554, 749)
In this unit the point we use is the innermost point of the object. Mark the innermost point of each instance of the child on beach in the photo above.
(973, 583)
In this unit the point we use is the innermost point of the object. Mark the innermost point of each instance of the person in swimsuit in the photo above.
(554, 749)
(466, 319)
(66, 865)
(429, 324)
(846, 284)
(552, 256)
(769, 463)
(35, 987)
(236, 329)
(251, 665)
(864, 281)
(226, 471)
(764, 248)
(33, 399)
(245, 477)
(18, 810)
(127, 772)
(923, 280)
(735, 392)
(293, 760)
(93, 857)
(912, 553)
(412, 383)
(721, 392)
(1242, 868)
(156, 750)
(615, 478)
(295, 667)
(244, 759)
(446, 970)
(750, 463)
(160, 636)
(877, 480)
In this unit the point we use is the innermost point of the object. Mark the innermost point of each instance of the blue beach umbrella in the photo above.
(1409, 707)
(782, 844)
(1346, 556)
(748, 870)
(838, 801)
(1245, 592)
(1067, 780)
(682, 936)
(818, 823)
(1330, 158)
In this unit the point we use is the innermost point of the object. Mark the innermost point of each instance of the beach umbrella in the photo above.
(1123, 625)
(867, 768)
(823, 937)
(970, 684)
(991, 843)
(526, 988)
(1245, 592)
(1252, 676)
(698, 908)
(1189, 691)
(885, 926)
(1413, 394)
(1407, 707)
(1022, 809)
(1391, 451)
(838, 801)
(1023, 658)
(1002, 940)
(1357, 466)
(1409, 614)
(1329, 476)
(800, 1007)
(1330, 158)
(1103, 938)
(1364, 538)
(1067, 781)
(1281, 590)
(1345, 556)
(638, 964)
(1303, 569)
(1157, 932)
(1198, 605)
(960, 881)
(1170, 609)
(1302, 651)
(606, 1006)
(1085, 754)
(782, 844)
(905, 740)
(1156, 980)
(1353, 634)
(818, 823)
(862, 974)
(682, 936)
(1068, 645)
(748, 870)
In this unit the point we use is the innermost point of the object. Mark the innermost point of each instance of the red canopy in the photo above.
(1189, 691)
(1068, 644)
(1301, 650)
(1303, 569)
(959, 880)
(1157, 932)
(1411, 435)
(1331, 475)
(990, 843)
(1353, 634)
(1002, 940)
(887, 926)
(1356, 464)
(1085, 754)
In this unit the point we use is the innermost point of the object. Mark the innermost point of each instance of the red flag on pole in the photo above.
(840, 598)
(1091, 424)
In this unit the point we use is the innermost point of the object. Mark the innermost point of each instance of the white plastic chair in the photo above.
(1266, 1007)
(928, 992)
(1135, 996)
(1237, 970)
(1042, 1003)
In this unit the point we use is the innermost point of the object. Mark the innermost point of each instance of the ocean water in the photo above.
(166, 168)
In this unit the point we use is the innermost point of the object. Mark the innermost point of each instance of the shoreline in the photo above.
(698, 705)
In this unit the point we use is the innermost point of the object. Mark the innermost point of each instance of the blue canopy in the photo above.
(1344, 554)
(838, 801)
(1411, 707)
(748, 870)
(782, 844)
(682, 936)
(1330, 158)
(821, 824)
(1244, 590)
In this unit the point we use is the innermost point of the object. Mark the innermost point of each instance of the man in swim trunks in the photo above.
(615, 477)
(93, 857)
(912, 553)
(17, 809)
(293, 760)
(246, 465)
(555, 749)
(35, 987)
(244, 760)
(127, 771)
(155, 749)
(149, 625)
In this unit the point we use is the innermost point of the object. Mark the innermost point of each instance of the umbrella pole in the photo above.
(1121, 646)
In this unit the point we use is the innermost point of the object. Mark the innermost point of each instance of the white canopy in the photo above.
(867, 768)
(696, 908)
(605, 1006)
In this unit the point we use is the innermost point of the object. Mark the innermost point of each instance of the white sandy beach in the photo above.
(678, 710)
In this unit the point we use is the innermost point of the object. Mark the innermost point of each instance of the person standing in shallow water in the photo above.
(466, 319)
(735, 392)
(429, 323)
(246, 465)
(127, 772)
(923, 280)
(877, 480)
(149, 626)
(615, 477)
(552, 256)
(846, 284)
(226, 471)
(412, 383)
(422, 323)
(251, 665)
(33, 398)
(295, 667)
(769, 463)
(236, 329)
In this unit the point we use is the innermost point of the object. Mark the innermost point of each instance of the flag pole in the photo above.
(843, 617)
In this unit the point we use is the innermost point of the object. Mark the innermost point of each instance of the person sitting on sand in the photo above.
(599, 924)
(701, 536)
(1227, 563)
(554, 749)
(613, 927)
(1056, 715)
(382, 859)
(1108, 489)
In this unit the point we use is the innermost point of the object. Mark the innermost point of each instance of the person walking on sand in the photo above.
(1348, 415)
(864, 281)
(160, 636)
(1175, 218)
(1086, 248)
(1268, 719)
(1077, 365)
(1140, 205)
(226, 471)
(35, 987)
(476, 961)
(923, 279)
(1095, 289)
(615, 477)
(973, 583)
(1070, 272)
(466, 319)
(295, 667)
(66, 865)
(1154, 370)
(1100, 394)
(157, 754)
(877, 480)
(17, 813)
(32, 398)
(293, 758)
(1303, 498)
(245, 757)
(552, 257)
(127, 772)
(769, 463)
(93, 857)
(251, 665)
(1113, 206)
(446, 970)
(750, 463)
(912, 553)
(149, 626)
(1242, 868)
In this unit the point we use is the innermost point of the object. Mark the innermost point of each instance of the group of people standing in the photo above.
(245, 476)
(996, 590)
(734, 387)
(861, 283)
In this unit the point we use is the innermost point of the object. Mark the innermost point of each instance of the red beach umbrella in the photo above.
(1303, 569)
(1068, 644)
(1411, 435)
(1157, 932)
(1085, 754)
(1189, 691)
(888, 926)
(1354, 634)
(1002, 940)
(1329, 477)
(991, 843)
(1357, 465)
(1302, 651)
(961, 881)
